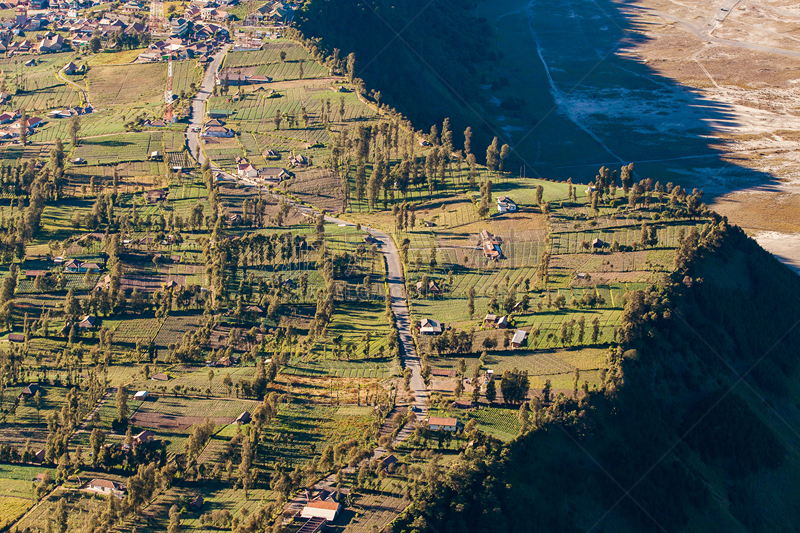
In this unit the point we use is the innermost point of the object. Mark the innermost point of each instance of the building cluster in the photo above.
(264, 175)
(187, 40)
(12, 125)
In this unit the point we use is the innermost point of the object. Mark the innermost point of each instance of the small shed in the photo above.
(519, 338)
(144, 437)
(197, 503)
(159, 377)
(29, 391)
(597, 243)
(244, 418)
(490, 320)
(502, 322)
(16, 337)
(88, 322)
(141, 395)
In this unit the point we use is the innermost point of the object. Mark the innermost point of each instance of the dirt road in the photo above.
(199, 105)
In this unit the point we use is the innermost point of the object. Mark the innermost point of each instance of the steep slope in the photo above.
(430, 71)
(693, 428)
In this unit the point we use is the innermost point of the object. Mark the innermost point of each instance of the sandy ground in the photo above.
(705, 93)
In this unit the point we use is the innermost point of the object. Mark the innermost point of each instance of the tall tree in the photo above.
(492, 154)
(74, 129)
(123, 411)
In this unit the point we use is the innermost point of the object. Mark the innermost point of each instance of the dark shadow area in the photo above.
(501, 67)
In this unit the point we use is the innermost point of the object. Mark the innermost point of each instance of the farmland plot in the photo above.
(135, 85)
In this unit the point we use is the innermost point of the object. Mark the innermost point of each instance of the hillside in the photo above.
(430, 71)
(692, 428)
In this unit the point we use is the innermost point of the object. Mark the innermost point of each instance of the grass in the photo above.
(117, 148)
(131, 86)
(12, 509)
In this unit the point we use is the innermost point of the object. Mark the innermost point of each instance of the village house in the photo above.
(154, 196)
(217, 131)
(16, 337)
(273, 174)
(75, 266)
(29, 391)
(107, 487)
(197, 503)
(145, 437)
(429, 327)
(438, 423)
(298, 160)
(88, 322)
(432, 288)
(243, 418)
(505, 205)
(246, 170)
(141, 395)
(519, 338)
(51, 42)
(490, 246)
(327, 509)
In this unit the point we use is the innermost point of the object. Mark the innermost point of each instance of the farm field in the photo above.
(134, 86)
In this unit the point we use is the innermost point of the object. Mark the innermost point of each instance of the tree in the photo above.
(514, 385)
(123, 411)
(283, 56)
(351, 67)
(491, 390)
(503, 155)
(96, 441)
(471, 301)
(94, 44)
(74, 129)
(492, 153)
(174, 520)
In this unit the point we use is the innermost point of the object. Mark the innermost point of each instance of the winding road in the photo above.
(74, 85)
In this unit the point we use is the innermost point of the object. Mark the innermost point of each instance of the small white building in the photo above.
(140, 396)
(246, 170)
(506, 205)
(436, 423)
(327, 509)
(107, 487)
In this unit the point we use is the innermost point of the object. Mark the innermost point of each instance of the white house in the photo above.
(436, 423)
(327, 509)
(141, 395)
(246, 170)
(505, 205)
(107, 487)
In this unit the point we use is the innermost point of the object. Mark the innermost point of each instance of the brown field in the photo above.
(319, 188)
(174, 422)
(130, 85)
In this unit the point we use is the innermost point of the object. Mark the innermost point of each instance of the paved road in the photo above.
(199, 105)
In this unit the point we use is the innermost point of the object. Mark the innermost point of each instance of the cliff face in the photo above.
(694, 428)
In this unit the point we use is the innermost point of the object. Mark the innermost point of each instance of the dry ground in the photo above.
(668, 85)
